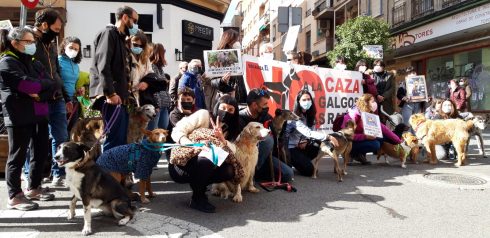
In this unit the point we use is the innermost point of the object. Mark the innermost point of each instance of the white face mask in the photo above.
(461, 83)
(362, 69)
(446, 108)
(378, 69)
(268, 56)
(71, 53)
(237, 45)
(340, 66)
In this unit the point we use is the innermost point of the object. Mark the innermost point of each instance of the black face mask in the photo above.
(224, 116)
(264, 112)
(48, 36)
(186, 105)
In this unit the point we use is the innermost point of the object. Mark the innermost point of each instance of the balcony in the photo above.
(422, 8)
(323, 9)
(399, 15)
(450, 3)
(264, 21)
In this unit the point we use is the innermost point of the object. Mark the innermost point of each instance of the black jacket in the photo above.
(21, 75)
(110, 70)
(154, 85)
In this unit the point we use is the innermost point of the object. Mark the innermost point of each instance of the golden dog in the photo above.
(438, 132)
(247, 154)
(409, 145)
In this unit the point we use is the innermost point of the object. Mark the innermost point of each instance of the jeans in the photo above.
(263, 170)
(160, 120)
(19, 138)
(117, 134)
(58, 132)
(301, 161)
(408, 110)
(365, 146)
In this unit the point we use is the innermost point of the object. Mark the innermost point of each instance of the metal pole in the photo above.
(23, 16)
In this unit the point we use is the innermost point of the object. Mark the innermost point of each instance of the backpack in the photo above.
(337, 122)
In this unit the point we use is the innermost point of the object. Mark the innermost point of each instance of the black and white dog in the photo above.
(92, 185)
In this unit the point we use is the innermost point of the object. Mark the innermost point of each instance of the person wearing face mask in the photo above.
(363, 144)
(257, 110)
(266, 51)
(340, 63)
(174, 82)
(464, 83)
(408, 107)
(301, 135)
(141, 67)
(47, 26)
(69, 58)
(25, 88)
(110, 72)
(457, 94)
(367, 81)
(193, 79)
(385, 85)
(218, 128)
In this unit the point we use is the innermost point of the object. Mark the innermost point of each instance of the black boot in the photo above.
(202, 204)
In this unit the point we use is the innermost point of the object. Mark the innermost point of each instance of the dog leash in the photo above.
(161, 147)
(112, 120)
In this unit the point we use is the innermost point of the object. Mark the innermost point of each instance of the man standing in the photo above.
(109, 74)
(174, 82)
(48, 25)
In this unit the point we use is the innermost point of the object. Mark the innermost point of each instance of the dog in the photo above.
(392, 120)
(281, 117)
(344, 138)
(247, 154)
(139, 119)
(87, 131)
(400, 129)
(139, 158)
(478, 124)
(409, 145)
(438, 132)
(91, 184)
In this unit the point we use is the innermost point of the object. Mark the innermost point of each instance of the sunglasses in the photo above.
(135, 21)
(137, 45)
(262, 92)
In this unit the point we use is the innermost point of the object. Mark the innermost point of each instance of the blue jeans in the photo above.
(262, 170)
(160, 121)
(408, 110)
(365, 146)
(58, 132)
(117, 134)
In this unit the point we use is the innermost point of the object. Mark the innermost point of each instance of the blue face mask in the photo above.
(136, 50)
(133, 30)
(30, 49)
(305, 104)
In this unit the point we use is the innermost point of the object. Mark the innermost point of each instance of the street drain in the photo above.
(457, 179)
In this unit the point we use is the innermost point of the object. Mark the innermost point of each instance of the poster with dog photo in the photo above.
(416, 88)
(372, 125)
(219, 62)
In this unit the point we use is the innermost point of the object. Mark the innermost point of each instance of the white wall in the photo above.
(86, 18)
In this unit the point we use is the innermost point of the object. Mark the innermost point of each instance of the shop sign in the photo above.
(197, 30)
(464, 20)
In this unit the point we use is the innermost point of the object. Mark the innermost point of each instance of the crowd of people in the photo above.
(41, 89)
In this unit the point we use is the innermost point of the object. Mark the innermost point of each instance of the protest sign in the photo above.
(219, 62)
(333, 91)
(371, 124)
(374, 51)
(291, 38)
(416, 88)
(6, 24)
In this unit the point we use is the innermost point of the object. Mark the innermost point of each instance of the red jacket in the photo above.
(458, 96)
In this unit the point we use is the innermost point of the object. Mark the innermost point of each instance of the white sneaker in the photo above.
(58, 182)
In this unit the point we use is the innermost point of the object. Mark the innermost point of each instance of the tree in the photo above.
(355, 33)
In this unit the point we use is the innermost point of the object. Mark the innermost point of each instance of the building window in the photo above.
(399, 13)
(376, 7)
(422, 8)
(308, 42)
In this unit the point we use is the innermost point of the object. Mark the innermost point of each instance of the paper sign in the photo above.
(219, 62)
(6, 24)
(371, 124)
(416, 88)
(374, 51)
(291, 38)
(220, 153)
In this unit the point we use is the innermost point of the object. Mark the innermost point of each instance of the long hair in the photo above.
(229, 37)
(451, 115)
(144, 56)
(363, 103)
(233, 129)
(310, 113)
(157, 56)
(67, 41)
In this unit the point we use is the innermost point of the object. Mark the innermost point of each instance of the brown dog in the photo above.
(138, 119)
(344, 138)
(438, 132)
(281, 117)
(87, 131)
(409, 144)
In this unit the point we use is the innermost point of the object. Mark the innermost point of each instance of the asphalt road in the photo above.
(379, 200)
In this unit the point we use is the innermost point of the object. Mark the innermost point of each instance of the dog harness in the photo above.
(417, 128)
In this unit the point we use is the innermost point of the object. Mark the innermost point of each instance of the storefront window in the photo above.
(473, 64)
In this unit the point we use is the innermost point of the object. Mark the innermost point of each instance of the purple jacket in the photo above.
(354, 114)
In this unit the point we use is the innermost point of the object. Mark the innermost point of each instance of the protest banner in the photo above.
(374, 51)
(333, 91)
(371, 124)
(219, 62)
(416, 88)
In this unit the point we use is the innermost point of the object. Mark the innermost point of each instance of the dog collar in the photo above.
(418, 125)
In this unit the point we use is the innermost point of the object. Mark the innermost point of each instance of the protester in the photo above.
(69, 58)
(457, 94)
(26, 88)
(185, 106)
(408, 106)
(110, 73)
(164, 101)
(340, 63)
(267, 51)
(174, 82)
(304, 142)
(386, 86)
(192, 78)
(200, 171)
(257, 110)
(433, 110)
(464, 83)
(367, 81)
